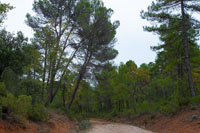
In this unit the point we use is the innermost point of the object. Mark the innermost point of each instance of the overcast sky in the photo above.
(133, 43)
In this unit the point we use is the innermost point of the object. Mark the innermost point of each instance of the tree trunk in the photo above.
(53, 94)
(81, 74)
(186, 47)
(75, 90)
(127, 104)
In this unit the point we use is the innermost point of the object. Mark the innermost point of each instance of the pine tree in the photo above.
(164, 9)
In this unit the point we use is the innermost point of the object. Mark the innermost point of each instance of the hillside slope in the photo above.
(185, 121)
(55, 124)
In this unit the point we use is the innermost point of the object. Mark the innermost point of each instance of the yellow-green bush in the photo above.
(170, 108)
(18, 106)
(23, 104)
(38, 113)
(9, 101)
(2, 89)
(195, 100)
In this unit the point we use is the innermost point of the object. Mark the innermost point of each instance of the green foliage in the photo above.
(9, 102)
(32, 88)
(193, 107)
(23, 105)
(169, 107)
(84, 124)
(12, 52)
(147, 107)
(3, 90)
(195, 100)
(38, 113)
(11, 81)
(127, 113)
(83, 31)
(4, 8)
(183, 101)
(21, 108)
(77, 116)
(16, 105)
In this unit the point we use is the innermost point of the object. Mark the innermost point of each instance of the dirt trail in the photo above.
(99, 126)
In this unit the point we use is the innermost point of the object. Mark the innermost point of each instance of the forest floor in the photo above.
(185, 121)
(57, 123)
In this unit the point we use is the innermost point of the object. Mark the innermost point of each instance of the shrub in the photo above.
(11, 81)
(195, 100)
(146, 107)
(23, 105)
(170, 108)
(183, 101)
(38, 113)
(16, 107)
(3, 92)
(128, 113)
(84, 124)
(3, 89)
(32, 88)
(193, 117)
(10, 102)
(0, 110)
(193, 107)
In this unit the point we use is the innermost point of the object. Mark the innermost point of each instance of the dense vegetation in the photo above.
(68, 64)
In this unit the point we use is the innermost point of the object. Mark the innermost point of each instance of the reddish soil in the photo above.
(185, 121)
(55, 124)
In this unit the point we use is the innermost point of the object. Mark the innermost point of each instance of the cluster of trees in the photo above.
(72, 39)
(68, 63)
(166, 85)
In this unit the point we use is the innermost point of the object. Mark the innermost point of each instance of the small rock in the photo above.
(193, 117)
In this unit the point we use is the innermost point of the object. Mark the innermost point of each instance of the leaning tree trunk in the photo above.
(75, 90)
(186, 47)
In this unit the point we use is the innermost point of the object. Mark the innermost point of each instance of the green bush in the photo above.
(32, 88)
(76, 116)
(170, 108)
(128, 113)
(195, 100)
(147, 107)
(23, 105)
(0, 110)
(183, 101)
(38, 113)
(10, 102)
(3, 90)
(84, 124)
(17, 107)
(193, 107)
(11, 81)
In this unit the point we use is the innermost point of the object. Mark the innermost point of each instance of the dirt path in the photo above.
(99, 126)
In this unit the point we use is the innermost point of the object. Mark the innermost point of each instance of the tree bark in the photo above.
(53, 94)
(186, 47)
(75, 89)
(56, 65)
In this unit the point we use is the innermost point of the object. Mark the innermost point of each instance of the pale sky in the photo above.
(133, 43)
